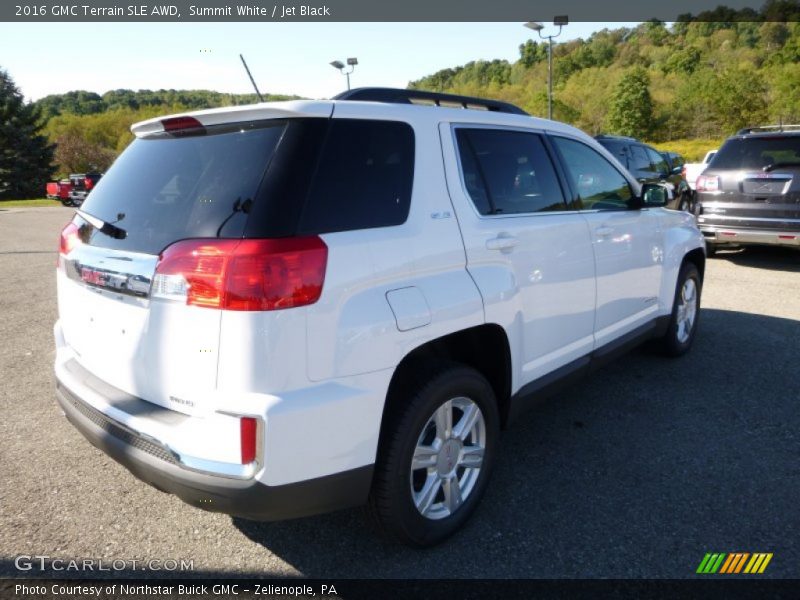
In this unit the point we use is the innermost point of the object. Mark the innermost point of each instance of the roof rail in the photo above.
(400, 96)
(612, 136)
(769, 128)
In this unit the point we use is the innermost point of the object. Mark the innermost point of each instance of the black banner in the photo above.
(255, 588)
(368, 10)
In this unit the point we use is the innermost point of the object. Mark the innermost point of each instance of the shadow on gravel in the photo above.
(763, 257)
(638, 471)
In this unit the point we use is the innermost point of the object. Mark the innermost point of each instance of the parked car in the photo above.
(750, 192)
(311, 305)
(59, 190)
(691, 171)
(648, 165)
(80, 185)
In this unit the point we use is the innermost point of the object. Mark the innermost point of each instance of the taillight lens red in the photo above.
(88, 184)
(707, 183)
(243, 274)
(69, 238)
(248, 427)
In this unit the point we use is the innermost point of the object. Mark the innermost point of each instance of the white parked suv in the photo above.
(288, 308)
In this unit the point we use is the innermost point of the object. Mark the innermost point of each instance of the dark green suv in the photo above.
(649, 165)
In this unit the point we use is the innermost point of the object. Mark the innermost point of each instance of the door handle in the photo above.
(604, 231)
(503, 242)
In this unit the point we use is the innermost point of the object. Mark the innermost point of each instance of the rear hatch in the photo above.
(753, 182)
(177, 201)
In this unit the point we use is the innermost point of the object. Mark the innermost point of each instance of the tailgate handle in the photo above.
(503, 242)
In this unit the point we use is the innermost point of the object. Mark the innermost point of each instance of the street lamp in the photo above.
(351, 62)
(538, 27)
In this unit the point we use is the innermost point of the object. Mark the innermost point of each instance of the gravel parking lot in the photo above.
(636, 472)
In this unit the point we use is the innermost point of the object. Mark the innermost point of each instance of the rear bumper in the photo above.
(723, 235)
(153, 463)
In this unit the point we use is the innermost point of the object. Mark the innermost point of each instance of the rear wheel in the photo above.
(685, 312)
(436, 456)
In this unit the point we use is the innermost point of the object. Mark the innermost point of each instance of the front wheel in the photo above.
(435, 458)
(685, 312)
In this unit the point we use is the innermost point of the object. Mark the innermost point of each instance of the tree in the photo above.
(631, 111)
(75, 155)
(25, 155)
(532, 52)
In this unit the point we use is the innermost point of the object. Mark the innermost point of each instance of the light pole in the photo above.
(537, 27)
(351, 62)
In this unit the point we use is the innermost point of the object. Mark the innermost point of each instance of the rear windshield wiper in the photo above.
(109, 229)
(776, 165)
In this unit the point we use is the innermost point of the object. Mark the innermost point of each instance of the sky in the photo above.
(285, 58)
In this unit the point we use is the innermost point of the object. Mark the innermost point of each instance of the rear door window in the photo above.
(658, 161)
(508, 172)
(364, 177)
(640, 162)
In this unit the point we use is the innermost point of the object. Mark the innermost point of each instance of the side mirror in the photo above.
(676, 170)
(656, 194)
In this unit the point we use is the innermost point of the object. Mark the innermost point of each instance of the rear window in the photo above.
(617, 149)
(263, 179)
(166, 188)
(757, 153)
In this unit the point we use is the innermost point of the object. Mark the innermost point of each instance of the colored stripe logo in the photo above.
(734, 562)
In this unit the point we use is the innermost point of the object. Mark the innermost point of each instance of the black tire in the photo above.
(711, 250)
(673, 343)
(391, 504)
(685, 205)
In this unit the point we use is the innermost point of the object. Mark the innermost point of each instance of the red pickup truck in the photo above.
(59, 190)
(73, 191)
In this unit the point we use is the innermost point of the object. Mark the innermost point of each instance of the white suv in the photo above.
(284, 309)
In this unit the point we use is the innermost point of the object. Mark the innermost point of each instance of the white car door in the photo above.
(528, 250)
(627, 240)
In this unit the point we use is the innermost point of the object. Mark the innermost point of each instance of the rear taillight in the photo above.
(243, 274)
(88, 184)
(69, 238)
(248, 429)
(707, 183)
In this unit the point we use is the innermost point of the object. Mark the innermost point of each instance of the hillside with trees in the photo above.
(701, 78)
(684, 87)
(90, 130)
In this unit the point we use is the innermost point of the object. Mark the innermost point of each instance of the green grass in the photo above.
(28, 203)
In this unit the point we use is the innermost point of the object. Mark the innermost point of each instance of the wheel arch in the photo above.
(484, 348)
(698, 258)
